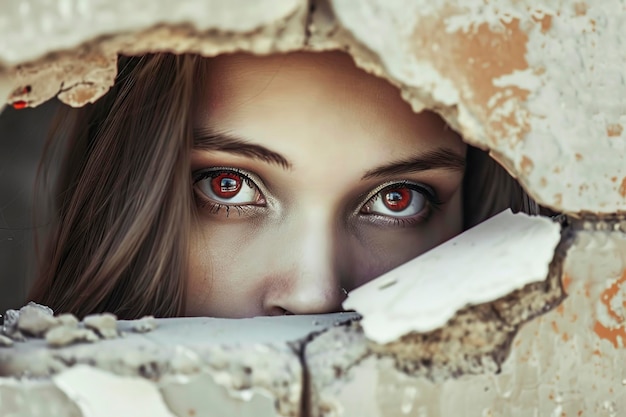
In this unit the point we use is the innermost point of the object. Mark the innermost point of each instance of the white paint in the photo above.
(384, 29)
(525, 80)
(483, 264)
(102, 394)
(50, 26)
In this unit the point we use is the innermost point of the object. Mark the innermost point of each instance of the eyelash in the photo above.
(214, 207)
(433, 203)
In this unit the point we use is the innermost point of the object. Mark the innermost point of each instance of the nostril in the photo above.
(279, 311)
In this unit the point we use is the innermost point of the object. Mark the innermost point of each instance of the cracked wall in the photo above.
(539, 86)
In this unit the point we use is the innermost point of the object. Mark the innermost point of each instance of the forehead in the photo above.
(323, 97)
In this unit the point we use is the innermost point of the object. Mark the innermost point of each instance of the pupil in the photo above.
(228, 184)
(394, 197)
(398, 200)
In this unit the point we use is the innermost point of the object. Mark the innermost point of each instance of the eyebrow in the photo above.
(226, 142)
(436, 159)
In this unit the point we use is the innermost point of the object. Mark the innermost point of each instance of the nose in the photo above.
(308, 279)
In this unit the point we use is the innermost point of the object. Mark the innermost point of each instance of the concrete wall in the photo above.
(541, 86)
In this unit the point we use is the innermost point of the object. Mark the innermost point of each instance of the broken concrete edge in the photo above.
(491, 260)
(476, 340)
(184, 358)
(506, 110)
(82, 73)
(57, 27)
(88, 391)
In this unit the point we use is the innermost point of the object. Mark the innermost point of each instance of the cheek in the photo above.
(379, 251)
(220, 283)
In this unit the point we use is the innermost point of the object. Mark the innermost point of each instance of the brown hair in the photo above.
(118, 241)
(123, 204)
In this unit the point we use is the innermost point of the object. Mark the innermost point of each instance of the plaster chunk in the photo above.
(195, 364)
(144, 324)
(28, 35)
(491, 260)
(497, 73)
(34, 398)
(134, 396)
(560, 363)
(35, 320)
(513, 77)
(84, 65)
(63, 336)
(105, 325)
(67, 320)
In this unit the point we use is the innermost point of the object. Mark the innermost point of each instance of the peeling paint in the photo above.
(526, 165)
(609, 324)
(475, 59)
(134, 396)
(512, 77)
(614, 130)
(417, 302)
(557, 364)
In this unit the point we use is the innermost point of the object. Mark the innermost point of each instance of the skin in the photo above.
(311, 229)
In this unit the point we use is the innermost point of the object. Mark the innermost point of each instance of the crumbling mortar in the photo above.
(299, 349)
(101, 48)
(589, 221)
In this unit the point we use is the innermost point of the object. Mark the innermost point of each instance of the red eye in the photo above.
(397, 199)
(226, 185)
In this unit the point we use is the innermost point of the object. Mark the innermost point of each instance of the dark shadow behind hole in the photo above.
(488, 188)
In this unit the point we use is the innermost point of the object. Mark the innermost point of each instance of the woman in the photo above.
(240, 186)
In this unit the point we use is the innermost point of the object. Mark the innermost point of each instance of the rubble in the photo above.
(105, 325)
(144, 324)
(63, 336)
(67, 320)
(424, 294)
(199, 364)
(38, 321)
(35, 320)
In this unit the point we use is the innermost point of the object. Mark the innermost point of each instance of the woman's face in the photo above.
(311, 177)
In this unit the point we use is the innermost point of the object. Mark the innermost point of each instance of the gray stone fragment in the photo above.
(67, 320)
(63, 336)
(44, 309)
(144, 324)
(10, 321)
(17, 336)
(103, 324)
(35, 320)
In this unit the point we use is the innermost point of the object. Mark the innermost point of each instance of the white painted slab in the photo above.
(483, 264)
(101, 394)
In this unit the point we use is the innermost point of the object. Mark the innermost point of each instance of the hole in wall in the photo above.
(491, 188)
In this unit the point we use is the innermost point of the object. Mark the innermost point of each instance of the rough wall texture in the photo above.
(540, 86)
(567, 362)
